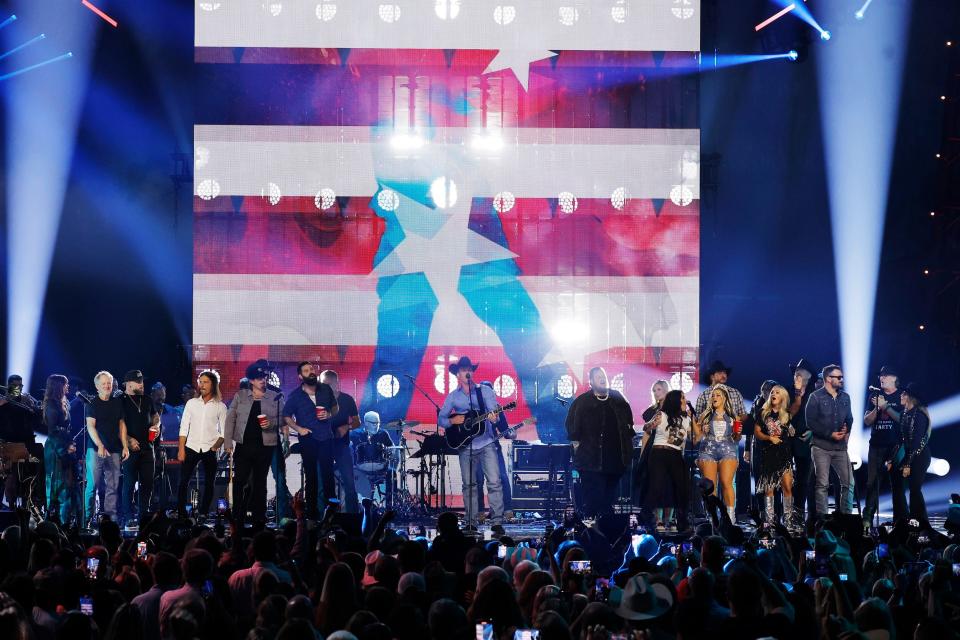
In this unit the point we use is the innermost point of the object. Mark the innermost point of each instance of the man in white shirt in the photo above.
(201, 436)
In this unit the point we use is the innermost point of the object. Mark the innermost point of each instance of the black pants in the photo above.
(251, 462)
(876, 471)
(317, 455)
(138, 468)
(209, 461)
(803, 476)
(598, 492)
(918, 471)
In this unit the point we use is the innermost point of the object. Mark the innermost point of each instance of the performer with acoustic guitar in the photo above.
(461, 413)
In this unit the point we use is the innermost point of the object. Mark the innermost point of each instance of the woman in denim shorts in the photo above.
(718, 446)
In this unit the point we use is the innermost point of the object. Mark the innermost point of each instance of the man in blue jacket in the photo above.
(829, 417)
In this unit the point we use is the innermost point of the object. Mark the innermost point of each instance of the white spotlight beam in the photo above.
(945, 412)
(860, 75)
(41, 110)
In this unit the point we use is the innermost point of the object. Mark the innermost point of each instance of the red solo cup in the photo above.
(321, 413)
(737, 427)
(153, 433)
(262, 419)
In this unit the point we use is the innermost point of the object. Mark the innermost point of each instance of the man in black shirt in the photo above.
(106, 447)
(140, 417)
(884, 446)
(344, 421)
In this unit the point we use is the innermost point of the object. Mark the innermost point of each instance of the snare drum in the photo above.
(370, 457)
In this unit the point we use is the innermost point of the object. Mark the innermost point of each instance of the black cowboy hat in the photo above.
(259, 369)
(887, 370)
(914, 390)
(462, 363)
(717, 365)
(804, 364)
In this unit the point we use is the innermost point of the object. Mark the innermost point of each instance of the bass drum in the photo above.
(370, 457)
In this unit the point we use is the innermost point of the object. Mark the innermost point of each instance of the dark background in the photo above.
(119, 295)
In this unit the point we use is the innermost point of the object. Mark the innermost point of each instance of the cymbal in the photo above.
(401, 424)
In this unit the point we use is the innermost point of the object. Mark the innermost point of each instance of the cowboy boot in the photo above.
(732, 512)
(788, 515)
(770, 512)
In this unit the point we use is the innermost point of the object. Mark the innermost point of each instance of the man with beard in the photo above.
(829, 417)
(141, 419)
(307, 412)
(600, 426)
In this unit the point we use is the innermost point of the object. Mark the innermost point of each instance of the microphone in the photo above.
(469, 375)
(560, 400)
(875, 389)
(275, 389)
(83, 396)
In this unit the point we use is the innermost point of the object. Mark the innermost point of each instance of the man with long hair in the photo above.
(201, 436)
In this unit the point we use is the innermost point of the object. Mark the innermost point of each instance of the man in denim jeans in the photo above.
(829, 417)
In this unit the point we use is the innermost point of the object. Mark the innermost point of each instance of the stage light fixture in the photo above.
(860, 79)
(23, 46)
(443, 192)
(862, 11)
(792, 55)
(825, 35)
(939, 467)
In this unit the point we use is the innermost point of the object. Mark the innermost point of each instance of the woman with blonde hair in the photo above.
(773, 432)
(715, 432)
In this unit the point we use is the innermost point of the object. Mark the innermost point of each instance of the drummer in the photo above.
(372, 466)
(346, 420)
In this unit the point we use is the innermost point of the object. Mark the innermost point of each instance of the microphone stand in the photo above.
(443, 457)
(83, 478)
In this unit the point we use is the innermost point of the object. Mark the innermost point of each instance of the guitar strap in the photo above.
(482, 406)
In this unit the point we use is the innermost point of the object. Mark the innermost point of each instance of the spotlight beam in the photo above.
(23, 46)
(12, 18)
(18, 72)
(779, 14)
(860, 76)
(862, 10)
(945, 412)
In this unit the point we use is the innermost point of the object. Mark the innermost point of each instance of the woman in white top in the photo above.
(717, 436)
(667, 485)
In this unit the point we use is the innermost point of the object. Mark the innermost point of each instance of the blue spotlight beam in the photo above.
(802, 12)
(18, 72)
(12, 18)
(724, 60)
(860, 76)
(862, 10)
(23, 46)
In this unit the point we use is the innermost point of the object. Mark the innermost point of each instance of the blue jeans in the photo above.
(102, 473)
(484, 458)
(839, 461)
(504, 482)
(343, 463)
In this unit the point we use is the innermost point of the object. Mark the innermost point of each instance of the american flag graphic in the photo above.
(384, 187)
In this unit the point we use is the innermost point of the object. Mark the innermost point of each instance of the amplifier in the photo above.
(536, 457)
(536, 484)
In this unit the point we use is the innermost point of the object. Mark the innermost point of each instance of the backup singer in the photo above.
(202, 430)
(60, 452)
(667, 487)
(885, 439)
(345, 420)
(715, 432)
(915, 429)
(141, 419)
(774, 433)
(600, 426)
(829, 417)
(106, 447)
(308, 412)
(252, 432)
(480, 452)
(20, 414)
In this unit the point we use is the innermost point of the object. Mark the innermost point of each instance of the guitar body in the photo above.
(459, 436)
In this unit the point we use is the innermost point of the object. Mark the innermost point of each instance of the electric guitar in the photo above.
(460, 435)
